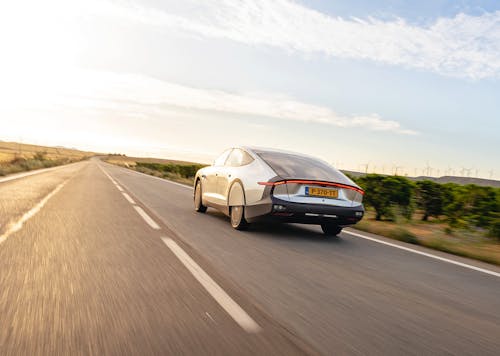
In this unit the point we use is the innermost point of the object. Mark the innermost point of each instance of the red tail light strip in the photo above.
(300, 181)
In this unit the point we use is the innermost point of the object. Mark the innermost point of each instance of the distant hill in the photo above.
(444, 179)
(462, 180)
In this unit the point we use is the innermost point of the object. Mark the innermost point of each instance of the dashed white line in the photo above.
(129, 199)
(19, 224)
(139, 210)
(492, 273)
(146, 218)
(224, 300)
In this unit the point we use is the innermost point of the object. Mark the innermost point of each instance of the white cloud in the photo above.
(140, 96)
(462, 46)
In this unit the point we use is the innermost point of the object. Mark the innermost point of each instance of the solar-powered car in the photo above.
(250, 184)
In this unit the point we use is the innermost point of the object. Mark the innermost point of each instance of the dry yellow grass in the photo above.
(12, 150)
(122, 160)
(17, 157)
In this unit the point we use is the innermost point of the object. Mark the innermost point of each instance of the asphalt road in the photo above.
(97, 259)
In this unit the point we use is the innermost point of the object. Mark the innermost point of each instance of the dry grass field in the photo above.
(12, 150)
(17, 157)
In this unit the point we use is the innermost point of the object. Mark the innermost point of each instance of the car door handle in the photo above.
(216, 174)
(203, 176)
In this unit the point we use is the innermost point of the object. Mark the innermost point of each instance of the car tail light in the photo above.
(300, 181)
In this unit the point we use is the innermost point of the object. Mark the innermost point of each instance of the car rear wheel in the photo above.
(198, 203)
(237, 215)
(330, 229)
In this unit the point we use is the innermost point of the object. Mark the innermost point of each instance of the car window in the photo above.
(238, 158)
(219, 161)
(290, 166)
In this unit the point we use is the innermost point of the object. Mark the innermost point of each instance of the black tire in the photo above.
(237, 215)
(198, 203)
(330, 229)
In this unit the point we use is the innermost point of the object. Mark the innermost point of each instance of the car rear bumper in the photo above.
(285, 211)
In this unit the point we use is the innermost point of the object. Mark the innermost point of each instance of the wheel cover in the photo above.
(197, 196)
(236, 215)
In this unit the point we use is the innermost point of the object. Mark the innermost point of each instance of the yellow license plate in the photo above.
(322, 192)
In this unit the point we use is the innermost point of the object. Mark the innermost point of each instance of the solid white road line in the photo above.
(119, 188)
(130, 200)
(492, 273)
(19, 224)
(146, 217)
(224, 300)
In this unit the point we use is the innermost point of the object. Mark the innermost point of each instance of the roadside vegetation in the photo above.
(459, 219)
(16, 157)
(178, 171)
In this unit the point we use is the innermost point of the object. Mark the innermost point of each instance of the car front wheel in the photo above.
(330, 229)
(198, 203)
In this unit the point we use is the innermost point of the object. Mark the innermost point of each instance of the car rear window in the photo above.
(290, 166)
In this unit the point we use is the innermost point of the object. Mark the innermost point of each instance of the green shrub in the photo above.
(384, 193)
(494, 229)
(182, 170)
(429, 197)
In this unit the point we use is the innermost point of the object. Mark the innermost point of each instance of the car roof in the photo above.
(255, 149)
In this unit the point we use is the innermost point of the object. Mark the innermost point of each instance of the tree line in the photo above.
(461, 206)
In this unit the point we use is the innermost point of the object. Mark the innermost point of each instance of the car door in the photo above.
(210, 176)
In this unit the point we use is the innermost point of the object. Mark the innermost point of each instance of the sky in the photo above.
(376, 86)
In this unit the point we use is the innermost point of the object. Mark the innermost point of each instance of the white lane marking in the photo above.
(107, 174)
(496, 274)
(130, 200)
(146, 217)
(224, 300)
(19, 224)
(112, 180)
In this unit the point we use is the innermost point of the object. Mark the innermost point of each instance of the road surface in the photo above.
(96, 259)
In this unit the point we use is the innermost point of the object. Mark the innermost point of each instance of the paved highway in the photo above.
(97, 259)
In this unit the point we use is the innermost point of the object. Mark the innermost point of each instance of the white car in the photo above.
(250, 184)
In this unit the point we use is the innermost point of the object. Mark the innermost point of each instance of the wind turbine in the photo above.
(396, 170)
(428, 169)
(491, 173)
